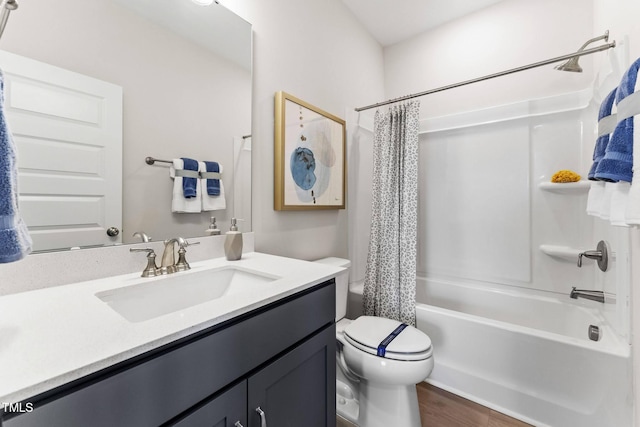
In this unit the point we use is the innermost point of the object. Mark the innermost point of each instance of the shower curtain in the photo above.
(390, 278)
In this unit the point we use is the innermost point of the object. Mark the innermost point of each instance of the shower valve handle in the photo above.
(590, 255)
(601, 254)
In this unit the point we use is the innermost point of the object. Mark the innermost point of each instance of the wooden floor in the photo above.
(439, 408)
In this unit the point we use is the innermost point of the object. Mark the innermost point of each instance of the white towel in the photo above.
(619, 201)
(211, 203)
(605, 207)
(179, 203)
(594, 200)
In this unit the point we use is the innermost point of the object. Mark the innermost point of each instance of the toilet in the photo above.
(379, 362)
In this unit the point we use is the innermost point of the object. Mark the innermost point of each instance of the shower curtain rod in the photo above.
(492, 76)
(6, 7)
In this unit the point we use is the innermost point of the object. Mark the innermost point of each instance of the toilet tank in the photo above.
(342, 284)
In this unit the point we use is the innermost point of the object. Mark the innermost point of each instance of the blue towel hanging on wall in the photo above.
(617, 163)
(190, 185)
(15, 242)
(605, 127)
(213, 185)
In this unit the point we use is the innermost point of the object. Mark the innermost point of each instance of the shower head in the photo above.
(572, 64)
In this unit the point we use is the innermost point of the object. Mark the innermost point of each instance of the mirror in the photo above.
(185, 74)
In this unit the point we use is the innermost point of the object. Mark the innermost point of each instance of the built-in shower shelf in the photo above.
(566, 252)
(565, 187)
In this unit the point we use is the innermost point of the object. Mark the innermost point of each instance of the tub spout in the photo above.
(587, 294)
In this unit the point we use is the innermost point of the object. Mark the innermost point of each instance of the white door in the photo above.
(68, 132)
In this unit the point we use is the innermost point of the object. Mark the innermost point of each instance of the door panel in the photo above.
(68, 131)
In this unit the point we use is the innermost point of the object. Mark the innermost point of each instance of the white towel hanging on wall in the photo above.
(180, 204)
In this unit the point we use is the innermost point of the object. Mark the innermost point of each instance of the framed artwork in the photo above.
(309, 157)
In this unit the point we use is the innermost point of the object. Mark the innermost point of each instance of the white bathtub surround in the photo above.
(389, 289)
(490, 221)
(526, 355)
(493, 167)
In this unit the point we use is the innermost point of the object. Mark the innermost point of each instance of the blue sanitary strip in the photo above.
(382, 347)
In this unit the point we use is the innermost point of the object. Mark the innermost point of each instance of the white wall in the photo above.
(180, 100)
(506, 35)
(316, 51)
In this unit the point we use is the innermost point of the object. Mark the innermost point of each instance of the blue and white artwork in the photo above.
(303, 164)
(314, 149)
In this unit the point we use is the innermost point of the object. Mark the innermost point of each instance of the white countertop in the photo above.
(52, 336)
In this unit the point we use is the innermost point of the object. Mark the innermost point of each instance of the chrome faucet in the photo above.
(142, 235)
(587, 294)
(169, 264)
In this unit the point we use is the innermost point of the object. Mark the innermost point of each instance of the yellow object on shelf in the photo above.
(565, 175)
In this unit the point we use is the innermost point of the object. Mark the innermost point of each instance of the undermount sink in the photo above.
(167, 294)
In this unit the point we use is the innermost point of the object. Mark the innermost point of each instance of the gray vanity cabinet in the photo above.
(293, 390)
(280, 358)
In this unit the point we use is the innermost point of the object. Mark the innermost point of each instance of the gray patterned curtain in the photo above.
(390, 279)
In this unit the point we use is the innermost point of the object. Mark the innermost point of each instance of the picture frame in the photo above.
(310, 169)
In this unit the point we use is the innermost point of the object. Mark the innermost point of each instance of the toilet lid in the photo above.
(388, 338)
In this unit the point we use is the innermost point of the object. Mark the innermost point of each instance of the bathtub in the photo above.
(527, 356)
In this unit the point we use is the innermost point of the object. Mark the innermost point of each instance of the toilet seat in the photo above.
(366, 333)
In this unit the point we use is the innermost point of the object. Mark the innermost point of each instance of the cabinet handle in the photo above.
(263, 417)
(237, 424)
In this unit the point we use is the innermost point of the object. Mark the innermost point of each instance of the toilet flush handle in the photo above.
(263, 417)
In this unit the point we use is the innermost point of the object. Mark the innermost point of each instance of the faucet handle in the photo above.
(601, 254)
(186, 243)
(151, 270)
(182, 263)
(148, 250)
(590, 255)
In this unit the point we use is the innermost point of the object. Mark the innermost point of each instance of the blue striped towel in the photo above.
(213, 184)
(606, 124)
(617, 163)
(190, 185)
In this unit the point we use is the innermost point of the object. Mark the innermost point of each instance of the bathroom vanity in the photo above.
(269, 363)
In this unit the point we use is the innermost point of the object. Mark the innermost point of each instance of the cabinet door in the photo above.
(299, 388)
(226, 410)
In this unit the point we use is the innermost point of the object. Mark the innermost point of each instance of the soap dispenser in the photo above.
(213, 229)
(233, 242)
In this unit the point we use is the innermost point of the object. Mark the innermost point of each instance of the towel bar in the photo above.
(151, 160)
